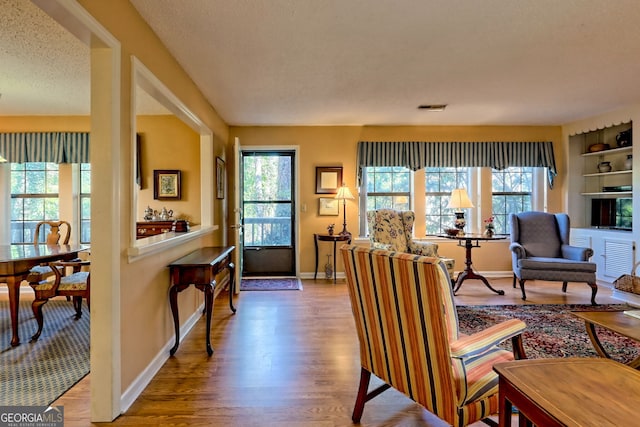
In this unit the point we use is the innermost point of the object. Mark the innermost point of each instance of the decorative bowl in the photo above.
(451, 231)
(594, 148)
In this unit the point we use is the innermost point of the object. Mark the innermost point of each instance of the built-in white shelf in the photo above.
(610, 151)
(609, 193)
(608, 173)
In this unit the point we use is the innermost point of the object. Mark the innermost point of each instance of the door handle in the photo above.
(240, 226)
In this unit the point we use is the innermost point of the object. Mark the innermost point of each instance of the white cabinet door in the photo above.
(619, 257)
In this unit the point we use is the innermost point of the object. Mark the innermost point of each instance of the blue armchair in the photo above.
(540, 250)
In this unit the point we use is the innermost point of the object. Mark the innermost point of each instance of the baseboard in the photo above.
(629, 298)
(142, 381)
(340, 274)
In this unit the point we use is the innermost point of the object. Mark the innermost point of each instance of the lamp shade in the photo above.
(344, 193)
(459, 199)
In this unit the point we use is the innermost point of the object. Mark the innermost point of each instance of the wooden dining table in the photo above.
(15, 263)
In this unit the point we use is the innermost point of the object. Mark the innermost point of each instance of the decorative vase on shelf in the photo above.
(628, 163)
(604, 167)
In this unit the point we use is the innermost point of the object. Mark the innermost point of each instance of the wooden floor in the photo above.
(286, 359)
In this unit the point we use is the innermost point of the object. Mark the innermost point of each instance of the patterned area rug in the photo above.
(36, 374)
(280, 284)
(551, 330)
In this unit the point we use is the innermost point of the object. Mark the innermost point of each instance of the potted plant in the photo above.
(489, 227)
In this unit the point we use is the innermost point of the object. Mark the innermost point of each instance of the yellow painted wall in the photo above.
(169, 144)
(336, 146)
(145, 320)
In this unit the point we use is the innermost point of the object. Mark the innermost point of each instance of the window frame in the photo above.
(83, 167)
(364, 182)
(46, 169)
(480, 192)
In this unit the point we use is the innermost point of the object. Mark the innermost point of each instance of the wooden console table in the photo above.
(335, 238)
(199, 268)
(568, 392)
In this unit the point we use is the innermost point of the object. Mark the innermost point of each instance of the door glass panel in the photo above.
(267, 178)
(267, 224)
(267, 199)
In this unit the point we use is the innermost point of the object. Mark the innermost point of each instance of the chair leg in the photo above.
(524, 295)
(36, 306)
(594, 291)
(77, 304)
(514, 280)
(518, 347)
(363, 396)
(564, 286)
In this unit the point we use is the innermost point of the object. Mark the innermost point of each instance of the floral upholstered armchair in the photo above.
(393, 231)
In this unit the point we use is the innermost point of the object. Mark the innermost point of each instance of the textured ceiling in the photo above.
(44, 69)
(358, 62)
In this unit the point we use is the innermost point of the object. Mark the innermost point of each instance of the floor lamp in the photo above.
(458, 201)
(344, 194)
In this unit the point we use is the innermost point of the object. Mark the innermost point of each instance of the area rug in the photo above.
(552, 331)
(269, 284)
(36, 374)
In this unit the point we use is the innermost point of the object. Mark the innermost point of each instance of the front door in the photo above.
(268, 213)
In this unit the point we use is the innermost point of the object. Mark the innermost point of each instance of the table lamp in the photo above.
(344, 194)
(458, 201)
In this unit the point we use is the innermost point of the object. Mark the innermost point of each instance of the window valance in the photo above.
(51, 147)
(419, 155)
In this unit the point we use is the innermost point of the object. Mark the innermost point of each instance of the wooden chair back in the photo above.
(56, 230)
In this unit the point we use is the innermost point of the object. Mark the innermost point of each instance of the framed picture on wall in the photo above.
(166, 184)
(328, 179)
(220, 174)
(328, 206)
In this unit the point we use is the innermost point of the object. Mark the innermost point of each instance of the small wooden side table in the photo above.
(568, 392)
(335, 238)
(199, 268)
(473, 241)
(615, 321)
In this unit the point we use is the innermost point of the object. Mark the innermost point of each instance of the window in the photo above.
(384, 188)
(34, 198)
(439, 182)
(388, 188)
(493, 193)
(85, 202)
(512, 191)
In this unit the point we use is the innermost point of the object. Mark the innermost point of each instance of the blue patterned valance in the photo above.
(50, 147)
(419, 155)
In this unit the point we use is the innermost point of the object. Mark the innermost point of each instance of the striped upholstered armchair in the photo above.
(407, 327)
(393, 230)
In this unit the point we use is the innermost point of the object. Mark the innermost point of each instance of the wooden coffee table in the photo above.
(568, 392)
(615, 321)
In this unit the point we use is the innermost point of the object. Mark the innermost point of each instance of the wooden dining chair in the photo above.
(55, 232)
(76, 285)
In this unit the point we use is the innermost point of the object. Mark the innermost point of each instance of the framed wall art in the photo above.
(166, 184)
(328, 179)
(328, 206)
(220, 175)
